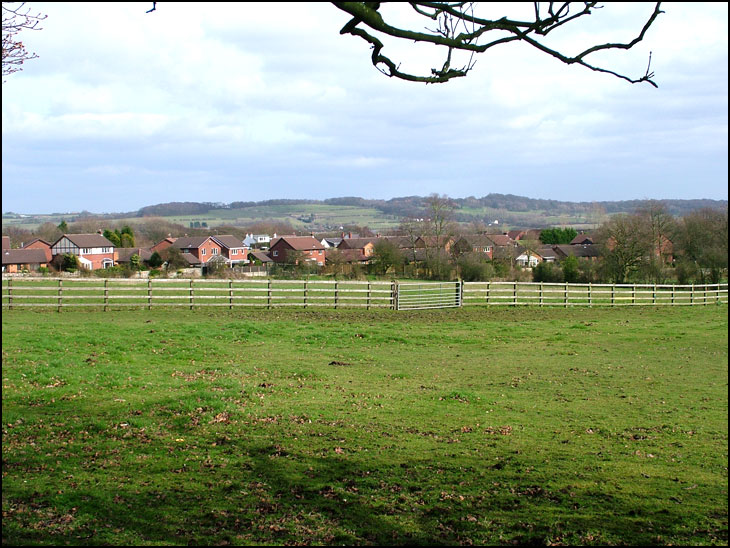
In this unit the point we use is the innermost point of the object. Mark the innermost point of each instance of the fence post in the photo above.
(394, 295)
(565, 296)
(590, 294)
(230, 294)
(268, 294)
(653, 296)
(461, 293)
(192, 299)
(306, 283)
(486, 297)
(692, 294)
(369, 295)
(514, 295)
(633, 294)
(60, 294)
(336, 292)
(672, 293)
(10, 293)
(613, 294)
(149, 293)
(106, 294)
(542, 294)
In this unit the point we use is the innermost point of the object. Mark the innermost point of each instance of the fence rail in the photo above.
(420, 296)
(112, 293)
(563, 294)
(116, 292)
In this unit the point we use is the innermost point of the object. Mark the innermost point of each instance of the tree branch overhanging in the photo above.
(16, 18)
(459, 29)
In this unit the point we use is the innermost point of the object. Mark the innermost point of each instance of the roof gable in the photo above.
(228, 241)
(86, 240)
(298, 243)
(189, 242)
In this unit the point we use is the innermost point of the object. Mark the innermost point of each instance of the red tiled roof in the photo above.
(299, 243)
(188, 242)
(228, 241)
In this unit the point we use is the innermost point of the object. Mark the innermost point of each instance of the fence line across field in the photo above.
(115, 293)
(565, 294)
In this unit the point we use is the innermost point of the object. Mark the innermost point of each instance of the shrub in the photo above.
(474, 268)
(547, 272)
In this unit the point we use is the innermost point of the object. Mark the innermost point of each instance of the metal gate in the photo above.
(419, 296)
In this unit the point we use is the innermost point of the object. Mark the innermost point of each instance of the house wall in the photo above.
(164, 244)
(205, 252)
(235, 254)
(41, 245)
(281, 249)
(316, 255)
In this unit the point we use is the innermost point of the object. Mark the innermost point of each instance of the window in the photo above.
(234, 252)
(215, 251)
(203, 251)
(276, 253)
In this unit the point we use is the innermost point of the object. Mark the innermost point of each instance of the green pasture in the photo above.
(527, 425)
(331, 215)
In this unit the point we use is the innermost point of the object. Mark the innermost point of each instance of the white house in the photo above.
(257, 240)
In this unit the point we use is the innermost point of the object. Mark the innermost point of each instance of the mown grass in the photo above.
(469, 426)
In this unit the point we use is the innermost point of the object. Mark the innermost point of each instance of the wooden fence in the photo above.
(563, 294)
(191, 293)
(113, 293)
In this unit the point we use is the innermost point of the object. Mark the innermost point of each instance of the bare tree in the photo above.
(441, 210)
(624, 246)
(458, 27)
(16, 18)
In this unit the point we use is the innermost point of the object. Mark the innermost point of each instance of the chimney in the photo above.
(349, 235)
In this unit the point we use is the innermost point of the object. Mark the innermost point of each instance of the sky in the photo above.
(255, 101)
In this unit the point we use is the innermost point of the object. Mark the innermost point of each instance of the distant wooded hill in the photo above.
(509, 208)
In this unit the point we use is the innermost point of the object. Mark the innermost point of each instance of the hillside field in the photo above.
(271, 427)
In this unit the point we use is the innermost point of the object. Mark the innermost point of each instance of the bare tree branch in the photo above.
(16, 17)
(450, 16)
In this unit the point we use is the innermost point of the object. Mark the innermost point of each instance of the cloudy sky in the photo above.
(222, 103)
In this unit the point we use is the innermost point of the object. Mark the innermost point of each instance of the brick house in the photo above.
(163, 244)
(232, 249)
(310, 249)
(587, 251)
(475, 243)
(124, 254)
(582, 239)
(198, 250)
(39, 243)
(366, 246)
(94, 251)
(18, 260)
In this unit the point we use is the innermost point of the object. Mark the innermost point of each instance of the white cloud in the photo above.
(222, 96)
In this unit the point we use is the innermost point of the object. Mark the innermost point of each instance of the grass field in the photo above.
(467, 426)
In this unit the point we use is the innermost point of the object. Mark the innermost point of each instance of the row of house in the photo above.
(95, 252)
